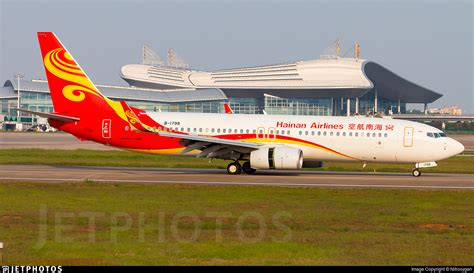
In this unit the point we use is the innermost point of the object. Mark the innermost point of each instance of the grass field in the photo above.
(123, 158)
(226, 225)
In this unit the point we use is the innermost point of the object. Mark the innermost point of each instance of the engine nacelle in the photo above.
(280, 158)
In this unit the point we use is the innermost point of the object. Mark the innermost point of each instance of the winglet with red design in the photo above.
(228, 109)
(133, 118)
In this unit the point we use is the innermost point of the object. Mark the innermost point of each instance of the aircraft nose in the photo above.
(455, 147)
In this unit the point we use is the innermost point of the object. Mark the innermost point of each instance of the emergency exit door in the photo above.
(408, 136)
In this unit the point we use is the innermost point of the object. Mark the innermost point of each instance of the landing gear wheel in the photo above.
(416, 172)
(234, 168)
(247, 169)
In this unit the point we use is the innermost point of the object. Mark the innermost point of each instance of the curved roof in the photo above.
(339, 77)
(393, 87)
(124, 93)
(316, 74)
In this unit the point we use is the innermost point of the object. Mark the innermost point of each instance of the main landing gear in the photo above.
(416, 172)
(236, 168)
(247, 169)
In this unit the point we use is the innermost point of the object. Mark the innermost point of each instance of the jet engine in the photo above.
(280, 158)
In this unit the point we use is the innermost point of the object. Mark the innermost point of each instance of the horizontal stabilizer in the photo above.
(50, 115)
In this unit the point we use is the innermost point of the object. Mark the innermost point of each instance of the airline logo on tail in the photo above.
(60, 63)
(70, 86)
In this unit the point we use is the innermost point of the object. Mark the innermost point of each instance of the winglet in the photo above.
(228, 109)
(132, 118)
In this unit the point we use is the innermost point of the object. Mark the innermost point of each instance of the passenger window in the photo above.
(350, 133)
(306, 132)
(241, 131)
(380, 134)
(385, 135)
(247, 131)
(218, 130)
(331, 133)
(337, 134)
(212, 130)
(312, 133)
(200, 130)
(271, 133)
(343, 133)
(319, 133)
(324, 133)
(182, 129)
(368, 134)
(223, 130)
(356, 134)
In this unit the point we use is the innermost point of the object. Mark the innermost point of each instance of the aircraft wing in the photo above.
(211, 147)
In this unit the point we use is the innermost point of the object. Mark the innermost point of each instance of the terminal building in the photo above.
(337, 86)
(330, 85)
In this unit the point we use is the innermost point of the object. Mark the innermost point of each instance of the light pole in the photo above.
(18, 77)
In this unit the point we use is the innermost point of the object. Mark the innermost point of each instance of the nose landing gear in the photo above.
(416, 172)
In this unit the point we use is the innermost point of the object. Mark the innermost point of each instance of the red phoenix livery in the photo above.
(259, 141)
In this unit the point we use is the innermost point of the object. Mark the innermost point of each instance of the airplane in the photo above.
(261, 142)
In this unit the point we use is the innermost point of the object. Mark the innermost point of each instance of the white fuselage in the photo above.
(322, 137)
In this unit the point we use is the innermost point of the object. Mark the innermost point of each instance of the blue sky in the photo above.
(427, 42)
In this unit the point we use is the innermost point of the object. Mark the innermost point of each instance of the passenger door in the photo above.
(408, 136)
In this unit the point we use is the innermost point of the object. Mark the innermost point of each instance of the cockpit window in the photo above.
(435, 135)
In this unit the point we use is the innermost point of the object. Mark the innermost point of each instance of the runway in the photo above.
(61, 174)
